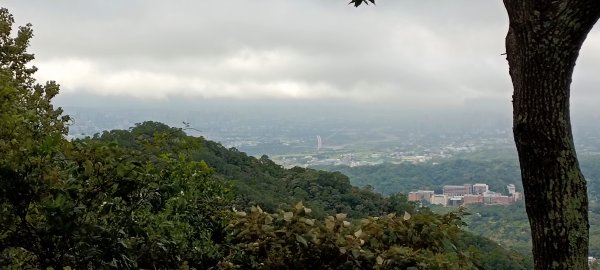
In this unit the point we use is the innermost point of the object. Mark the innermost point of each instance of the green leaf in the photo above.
(299, 205)
(268, 219)
(287, 216)
(301, 240)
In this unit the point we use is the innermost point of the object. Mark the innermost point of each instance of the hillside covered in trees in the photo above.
(406, 177)
(153, 196)
(261, 181)
(495, 168)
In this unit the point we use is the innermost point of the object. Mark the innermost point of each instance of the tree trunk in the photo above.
(542, 45)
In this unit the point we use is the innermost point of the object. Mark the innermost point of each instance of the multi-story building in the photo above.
(511, 189)
(503, 200)
(452, 190)
(456, 201)
(497, 198)
(420, 195)
(465, 195)
(517, 196)
(413, 196)
(472, 199)
(488, 197)
(439, 199)
(480, 188)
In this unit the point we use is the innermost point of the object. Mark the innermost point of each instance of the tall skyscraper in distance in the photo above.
(319, 143)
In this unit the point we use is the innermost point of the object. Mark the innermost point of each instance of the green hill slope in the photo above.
(259, 181)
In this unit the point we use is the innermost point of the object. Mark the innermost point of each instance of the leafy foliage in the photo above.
(294, 240)
(272, 241)
(509, 226)
(357, 3)
(31, 129)
(111, 209)
(31, 134)
(90, 203)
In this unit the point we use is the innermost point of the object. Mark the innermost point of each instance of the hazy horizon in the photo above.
(396, 65)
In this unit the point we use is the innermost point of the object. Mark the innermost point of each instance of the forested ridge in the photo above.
(406, 177)
(260, 181)
(152, 196)
(497, 170)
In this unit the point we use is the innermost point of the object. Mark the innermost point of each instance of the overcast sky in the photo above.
(406, 52)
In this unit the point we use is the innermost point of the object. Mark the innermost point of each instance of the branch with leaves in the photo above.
(357, 3)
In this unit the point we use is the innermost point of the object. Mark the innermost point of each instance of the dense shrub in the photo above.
(294, 240)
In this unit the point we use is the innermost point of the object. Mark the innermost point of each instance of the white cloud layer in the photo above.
(407, 52)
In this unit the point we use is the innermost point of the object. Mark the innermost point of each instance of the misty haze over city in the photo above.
(321, 68)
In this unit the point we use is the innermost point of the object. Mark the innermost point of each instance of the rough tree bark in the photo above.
(542, 45)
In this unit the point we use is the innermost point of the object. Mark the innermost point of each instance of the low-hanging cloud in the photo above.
(409, 52)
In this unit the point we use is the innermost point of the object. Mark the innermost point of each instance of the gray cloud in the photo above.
(409, 52)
